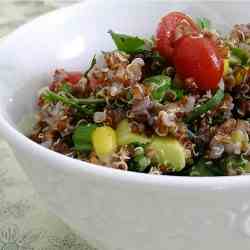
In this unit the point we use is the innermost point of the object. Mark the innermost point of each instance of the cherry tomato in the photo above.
(197, 57)
(73, 77)
(172, 27)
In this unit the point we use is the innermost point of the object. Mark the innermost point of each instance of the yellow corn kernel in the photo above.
(241, 75)
(238, 136)
(104, 142)
(226, 66)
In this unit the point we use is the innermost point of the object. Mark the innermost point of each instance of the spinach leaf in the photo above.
(128, 44)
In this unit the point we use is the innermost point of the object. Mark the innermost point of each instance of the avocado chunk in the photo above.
(169, 152)
(125, 136)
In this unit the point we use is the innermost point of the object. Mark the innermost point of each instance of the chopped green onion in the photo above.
(141, 162)
(82, 137)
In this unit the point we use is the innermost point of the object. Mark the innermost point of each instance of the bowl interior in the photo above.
(68, 39)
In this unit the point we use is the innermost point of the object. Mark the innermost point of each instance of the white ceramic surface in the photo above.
(116, 210)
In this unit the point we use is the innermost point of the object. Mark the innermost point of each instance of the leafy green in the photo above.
(78, 103)
(84, 147)
(235, 165)
(206, 168)
(51, 96)
(82, 137)
(242, 55)
(179, 93)
(128, 44)
(228, 165)
(161, 84)
(209, 105)
(140, 162)
(234, 60)
(65, 88)
(92, 64)
(158, 80)
(204, 23)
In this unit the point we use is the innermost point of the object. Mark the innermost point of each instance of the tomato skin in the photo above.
(166, 32)
(73, 77)
(196, 57)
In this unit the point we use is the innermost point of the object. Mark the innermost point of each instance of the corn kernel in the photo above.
(104, 142)
(238, 136)
(226, 66)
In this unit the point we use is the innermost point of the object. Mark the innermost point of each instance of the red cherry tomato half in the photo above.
(196, 57)
(73, 77)
(171, 27)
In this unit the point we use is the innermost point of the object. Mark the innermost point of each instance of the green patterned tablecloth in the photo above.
(25, 224)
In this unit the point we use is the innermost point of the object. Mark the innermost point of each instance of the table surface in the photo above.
(25, 223)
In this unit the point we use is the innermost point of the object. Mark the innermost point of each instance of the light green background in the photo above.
(25, 224)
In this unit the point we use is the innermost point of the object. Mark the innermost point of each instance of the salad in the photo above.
(177, 103)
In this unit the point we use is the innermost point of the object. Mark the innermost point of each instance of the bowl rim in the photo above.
(14, 137)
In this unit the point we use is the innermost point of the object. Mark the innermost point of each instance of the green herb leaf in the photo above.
(209, 105)
(204, 23)
(139, 163)
(178, 92)
(71, 101)
(158, 80)
(234, 60)
(203, 168)
(160, 84)
(128, 44)
(84, 147)
(92, 64)
(65, 88)
(242, 55)
(143, 162)
(82, 137)
(235, 165)
(51, 96)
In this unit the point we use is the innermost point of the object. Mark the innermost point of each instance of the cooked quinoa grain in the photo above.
(138, 110)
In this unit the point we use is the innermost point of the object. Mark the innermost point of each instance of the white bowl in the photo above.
(116, 210)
